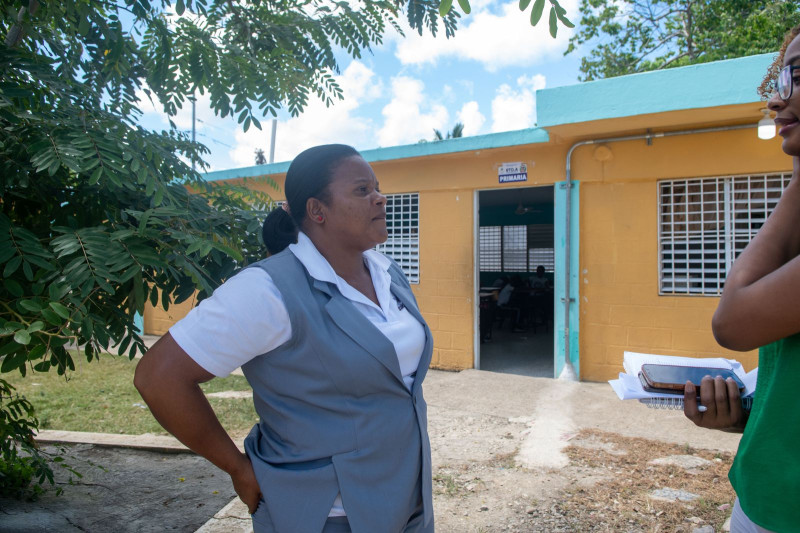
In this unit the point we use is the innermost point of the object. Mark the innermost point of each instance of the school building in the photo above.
(636, 193)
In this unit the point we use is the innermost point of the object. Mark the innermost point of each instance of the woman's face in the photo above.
(355, 213)
(787, 113)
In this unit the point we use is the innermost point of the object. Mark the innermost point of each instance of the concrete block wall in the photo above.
(620, 305)
(157, 321)
(446, 283)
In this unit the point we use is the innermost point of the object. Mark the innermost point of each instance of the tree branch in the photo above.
(15, 34)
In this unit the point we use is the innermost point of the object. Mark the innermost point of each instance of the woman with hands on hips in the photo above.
(330, 338)
(760, 308)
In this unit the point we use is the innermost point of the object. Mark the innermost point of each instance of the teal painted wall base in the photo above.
(138, 321)
(560, 224)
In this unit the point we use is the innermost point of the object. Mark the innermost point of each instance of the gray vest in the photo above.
(335, 415)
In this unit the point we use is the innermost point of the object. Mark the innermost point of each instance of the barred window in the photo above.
(490, 253)
(540, 247)
(516, 248)
(515, 244)
(402, 222)
(704, 224)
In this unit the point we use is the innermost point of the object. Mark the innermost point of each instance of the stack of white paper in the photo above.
(629, 387)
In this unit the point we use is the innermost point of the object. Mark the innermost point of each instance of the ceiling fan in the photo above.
(521, 210)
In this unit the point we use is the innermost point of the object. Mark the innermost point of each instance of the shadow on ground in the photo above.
(140, 491)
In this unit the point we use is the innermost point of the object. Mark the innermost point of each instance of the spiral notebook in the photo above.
(628, 386)
(676, 402)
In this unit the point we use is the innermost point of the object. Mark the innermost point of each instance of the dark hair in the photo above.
(768, 84)
(308, 177)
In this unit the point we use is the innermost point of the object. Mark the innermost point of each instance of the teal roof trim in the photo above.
(461, 144)
(729, 82)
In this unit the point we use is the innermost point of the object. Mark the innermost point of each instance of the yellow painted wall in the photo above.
(446, 275)
(157, 321)
(620, 305)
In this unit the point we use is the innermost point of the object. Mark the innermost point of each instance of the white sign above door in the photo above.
(511, 172)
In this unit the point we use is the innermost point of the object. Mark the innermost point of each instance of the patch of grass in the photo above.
(100, 397)
(445, 484)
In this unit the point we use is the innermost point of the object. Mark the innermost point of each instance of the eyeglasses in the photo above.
(785, 82)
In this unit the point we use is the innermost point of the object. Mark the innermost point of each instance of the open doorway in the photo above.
(515, 263)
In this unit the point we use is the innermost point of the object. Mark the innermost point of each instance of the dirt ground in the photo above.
(604, 487)
(123, 490)
(510, 454)
(603, 483)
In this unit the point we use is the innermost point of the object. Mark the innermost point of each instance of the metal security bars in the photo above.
(540, 247)
(516, 248)
(704, 224)
(542, 256)
(490, 253)
(402, 222)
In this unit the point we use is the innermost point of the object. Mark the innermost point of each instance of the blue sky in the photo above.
(485, 77)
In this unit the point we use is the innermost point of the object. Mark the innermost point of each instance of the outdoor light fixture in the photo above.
(766, 126)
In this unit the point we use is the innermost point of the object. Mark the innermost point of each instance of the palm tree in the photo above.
(458, 131)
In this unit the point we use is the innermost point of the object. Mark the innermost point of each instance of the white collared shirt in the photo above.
(246, 316)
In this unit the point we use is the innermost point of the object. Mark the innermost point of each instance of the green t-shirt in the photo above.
(766, 471)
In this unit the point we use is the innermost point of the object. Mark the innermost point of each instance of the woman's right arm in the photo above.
(168, 380)
(759, 303)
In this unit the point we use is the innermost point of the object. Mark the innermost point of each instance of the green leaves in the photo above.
(446, 5)
(561, 13)
(640, 35)
(536, 12)
(60, 310)
(557, 13)
(22, 337)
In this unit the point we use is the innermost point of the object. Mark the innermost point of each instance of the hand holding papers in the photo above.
(629, 387)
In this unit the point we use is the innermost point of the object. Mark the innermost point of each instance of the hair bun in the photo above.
(278, 231)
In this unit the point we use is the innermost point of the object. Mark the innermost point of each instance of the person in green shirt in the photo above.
(760, 307)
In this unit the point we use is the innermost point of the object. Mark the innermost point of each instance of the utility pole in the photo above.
(194, 100)
(272, 141)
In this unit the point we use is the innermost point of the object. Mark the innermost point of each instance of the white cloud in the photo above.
(515, 108)
(318, 124)
(471, 117)
(410, 117)
(497, 35)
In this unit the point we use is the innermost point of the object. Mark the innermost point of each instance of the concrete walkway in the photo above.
(544, 413)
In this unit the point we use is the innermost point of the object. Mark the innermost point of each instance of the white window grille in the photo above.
(541, 256)
(704, 224)
(540, 247)
(516, 248)
(490, 253)
(402, 222)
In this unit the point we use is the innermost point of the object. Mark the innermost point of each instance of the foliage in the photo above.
(557, 13)
(24, 468)
(261, 159)
(458, 131)
(627, 36)
(99, 216)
